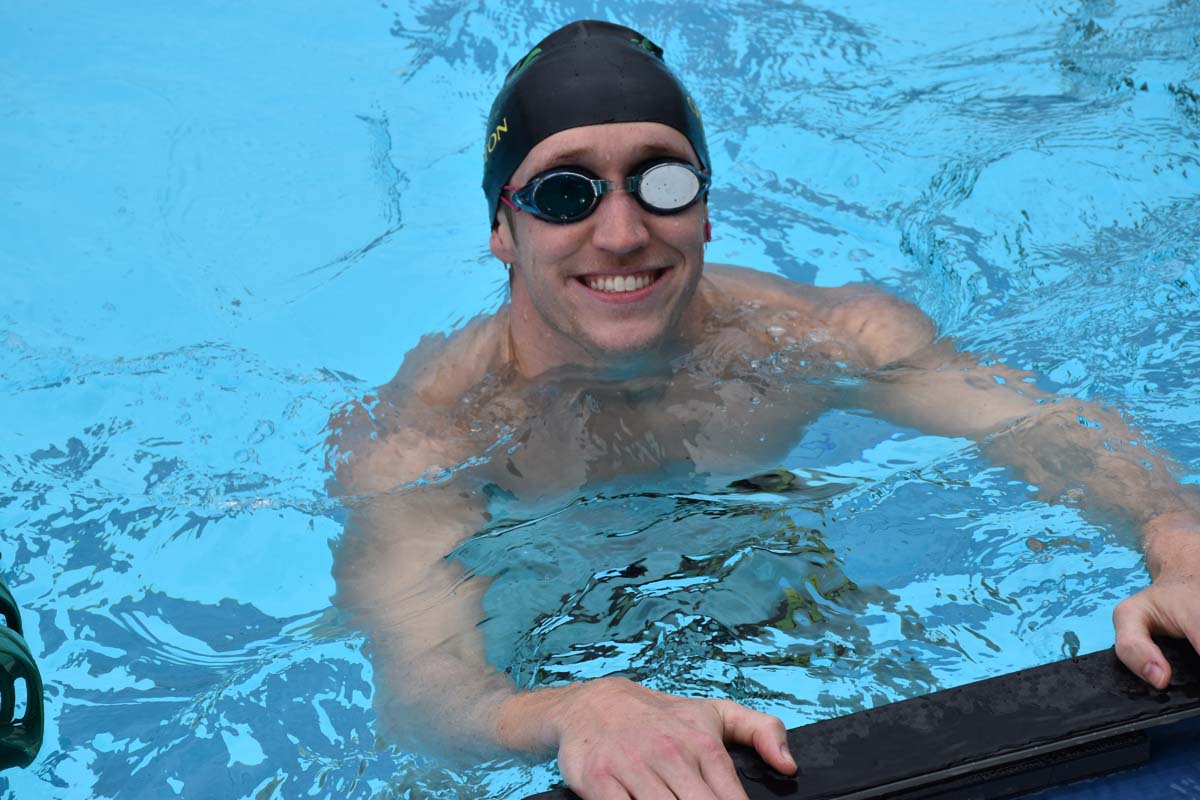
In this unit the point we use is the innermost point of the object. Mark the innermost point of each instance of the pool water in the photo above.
(223, 221)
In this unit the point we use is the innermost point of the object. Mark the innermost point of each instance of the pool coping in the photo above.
(999, 737)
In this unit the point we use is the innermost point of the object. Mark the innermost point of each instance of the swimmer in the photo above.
(596, 172)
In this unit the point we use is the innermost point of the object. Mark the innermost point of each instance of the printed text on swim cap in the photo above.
(494, 138)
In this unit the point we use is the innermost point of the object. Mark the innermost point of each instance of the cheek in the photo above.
(691, 222)
(686, 233)
(539, 269)
(549, 247)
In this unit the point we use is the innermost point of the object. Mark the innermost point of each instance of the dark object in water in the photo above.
(775, 480)
(995, 738)
(814, 485)
(20, 738)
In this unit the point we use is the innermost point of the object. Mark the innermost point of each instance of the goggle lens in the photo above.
(668, 187)
(564, 196)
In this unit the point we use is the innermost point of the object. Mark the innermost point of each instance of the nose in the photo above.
(619, 224)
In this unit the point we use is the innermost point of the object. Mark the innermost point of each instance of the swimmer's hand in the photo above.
(1170, 606)
(618, 740)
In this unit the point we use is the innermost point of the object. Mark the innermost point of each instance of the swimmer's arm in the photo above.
(1075, 452)
(434, 686)
(434, 689)
(432, 675)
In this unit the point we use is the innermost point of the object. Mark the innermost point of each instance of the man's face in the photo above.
(563, 297)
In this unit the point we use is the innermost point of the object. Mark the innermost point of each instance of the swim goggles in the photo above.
(569, 194)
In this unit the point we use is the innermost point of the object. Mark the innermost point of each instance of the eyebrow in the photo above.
(640, 153)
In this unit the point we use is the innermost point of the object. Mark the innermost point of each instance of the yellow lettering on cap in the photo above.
(493, 138)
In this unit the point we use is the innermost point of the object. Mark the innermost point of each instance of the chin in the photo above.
(628, 343)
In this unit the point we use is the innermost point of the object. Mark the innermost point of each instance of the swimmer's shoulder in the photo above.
(878, 326)
(741, 285)
(407, 429)
(442, 368)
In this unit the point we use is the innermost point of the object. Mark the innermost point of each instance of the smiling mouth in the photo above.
(619, 284)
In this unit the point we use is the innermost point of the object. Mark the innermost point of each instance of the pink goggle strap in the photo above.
(505, 200)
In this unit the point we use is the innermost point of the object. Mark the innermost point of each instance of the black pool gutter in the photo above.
(996, 738)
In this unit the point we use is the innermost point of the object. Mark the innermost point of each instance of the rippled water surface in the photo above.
(218, 222)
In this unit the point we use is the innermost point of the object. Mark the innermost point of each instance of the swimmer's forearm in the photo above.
(434, 686)
(446, 702)
(1080, 454)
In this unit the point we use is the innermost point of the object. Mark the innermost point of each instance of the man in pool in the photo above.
(596, 176)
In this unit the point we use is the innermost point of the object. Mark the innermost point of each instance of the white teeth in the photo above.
(621, 283)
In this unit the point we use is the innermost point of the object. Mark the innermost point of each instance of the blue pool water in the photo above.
(219, 221)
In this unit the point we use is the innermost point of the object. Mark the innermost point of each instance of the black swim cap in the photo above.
(585, 73)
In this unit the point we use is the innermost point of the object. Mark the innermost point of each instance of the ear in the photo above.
(502, 242)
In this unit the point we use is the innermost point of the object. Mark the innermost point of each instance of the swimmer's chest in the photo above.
(737, 404)
(595, 434)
